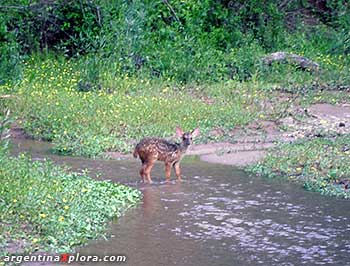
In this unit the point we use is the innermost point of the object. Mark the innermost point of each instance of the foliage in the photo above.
(182, 40)
(87, 106)
(69, 26)
(44, 207)
(320, 164)
(124, 110)
(10, 65)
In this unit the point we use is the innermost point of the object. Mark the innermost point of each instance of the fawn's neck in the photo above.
(184, 147)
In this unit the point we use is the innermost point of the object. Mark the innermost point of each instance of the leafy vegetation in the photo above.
(44, 207)
(56, 102)
(321, 165)
(52, 107)
(185, 41)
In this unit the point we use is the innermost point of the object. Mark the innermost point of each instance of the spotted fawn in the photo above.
(150, 150)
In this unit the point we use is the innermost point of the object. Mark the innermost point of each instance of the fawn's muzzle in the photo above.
(187, 141)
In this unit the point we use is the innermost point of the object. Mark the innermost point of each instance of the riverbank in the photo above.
(46, 208)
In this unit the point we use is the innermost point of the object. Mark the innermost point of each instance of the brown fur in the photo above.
(150, 150)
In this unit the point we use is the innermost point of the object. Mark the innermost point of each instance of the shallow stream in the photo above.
(217, 216)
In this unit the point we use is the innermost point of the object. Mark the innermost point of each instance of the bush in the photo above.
(185, 41)
(67, 26)
(10, 59)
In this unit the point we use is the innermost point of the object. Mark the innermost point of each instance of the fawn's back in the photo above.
(150, 149)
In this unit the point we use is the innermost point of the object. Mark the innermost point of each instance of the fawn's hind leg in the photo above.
(177, 171)
(142, 172)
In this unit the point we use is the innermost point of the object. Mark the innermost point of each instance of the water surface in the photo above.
(217, 216)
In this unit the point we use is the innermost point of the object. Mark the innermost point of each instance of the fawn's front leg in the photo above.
(177, 171)
(167, 171)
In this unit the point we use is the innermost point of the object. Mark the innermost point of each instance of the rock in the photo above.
(284, 57)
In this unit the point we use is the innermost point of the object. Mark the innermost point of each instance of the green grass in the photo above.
(321, 165)
(44, 207)
(50, 106)
(87, 106)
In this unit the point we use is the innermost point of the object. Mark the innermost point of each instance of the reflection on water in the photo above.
(218, 216)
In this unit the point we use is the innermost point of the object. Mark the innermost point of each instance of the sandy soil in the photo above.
(240, 158)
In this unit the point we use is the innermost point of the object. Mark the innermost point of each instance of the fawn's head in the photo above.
(187, 137)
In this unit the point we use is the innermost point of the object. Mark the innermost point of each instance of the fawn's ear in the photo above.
(179, 132)
(195, 132)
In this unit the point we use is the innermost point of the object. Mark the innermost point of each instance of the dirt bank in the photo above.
(240, 158)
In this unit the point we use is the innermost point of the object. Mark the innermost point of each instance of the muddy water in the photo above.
(217, 216)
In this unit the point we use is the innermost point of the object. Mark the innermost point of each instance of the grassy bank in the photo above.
(51, 105)
(56, 101)
(44, 207)
(321, 165)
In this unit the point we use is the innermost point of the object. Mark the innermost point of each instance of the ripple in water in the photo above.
(267, 225)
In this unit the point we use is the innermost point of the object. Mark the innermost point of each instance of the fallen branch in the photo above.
(284, 57)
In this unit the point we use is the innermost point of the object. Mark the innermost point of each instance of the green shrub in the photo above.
(184, 41)
(10, 59)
